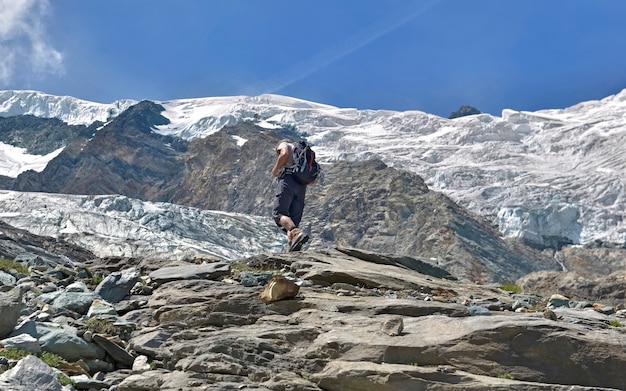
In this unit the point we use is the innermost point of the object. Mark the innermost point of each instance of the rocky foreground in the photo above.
(338, 320)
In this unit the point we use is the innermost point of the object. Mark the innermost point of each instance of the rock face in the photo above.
(371, 206)
(124, 157)
(358, 321)
(578, 286)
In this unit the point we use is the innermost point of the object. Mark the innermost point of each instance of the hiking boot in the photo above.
(298, 240)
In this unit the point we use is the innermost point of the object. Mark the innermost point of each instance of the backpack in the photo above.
(306, 169)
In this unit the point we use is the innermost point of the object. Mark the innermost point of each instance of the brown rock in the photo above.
(549, 314)
(279, 288)
(392, 326)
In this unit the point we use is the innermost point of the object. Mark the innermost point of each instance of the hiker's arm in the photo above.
(282, 160)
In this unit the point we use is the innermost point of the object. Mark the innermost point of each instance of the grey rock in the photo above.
(22, 342)
(97, 365)
(119, 354)
(213, 363)
(605, 309)
(583, 304)
(423, 266)
(217, 335)
(69, 346)
(49, 288)
(209, 271)
(10, 307)
(77, 286)
(84, 382)
(30, 374)
(254, 279)
(101, 307)
(393, 326)
(141, 364)
(60, 340)
(475, 310)
(290, 381)
(117, 285)
(152, 381)
(7, 279)
(151, 342)
(78, 302)
(48, 297)
(557, 300)
(588, 286)
(367, 376)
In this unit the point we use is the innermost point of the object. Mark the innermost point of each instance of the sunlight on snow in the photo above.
(14, 160)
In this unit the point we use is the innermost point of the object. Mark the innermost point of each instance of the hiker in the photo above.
(289, 199)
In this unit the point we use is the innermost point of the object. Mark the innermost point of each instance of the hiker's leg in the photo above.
(287, 224)
(282, 202)
(283, 207)
(296, 208)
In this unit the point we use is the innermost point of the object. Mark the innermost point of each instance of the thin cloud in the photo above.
(304, 69)
(25, 52)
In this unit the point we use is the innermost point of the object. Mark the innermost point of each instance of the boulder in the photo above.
(30, 373)
(10, 307)
(78, 302)
(60, 340)
(23, 342)
(117, 285)
(118, 353)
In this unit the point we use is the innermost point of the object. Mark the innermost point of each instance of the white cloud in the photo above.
(25, 52)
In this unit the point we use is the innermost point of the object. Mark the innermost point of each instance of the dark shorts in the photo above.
(289, 200)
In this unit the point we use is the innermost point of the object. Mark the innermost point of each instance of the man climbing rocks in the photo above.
(289, 199)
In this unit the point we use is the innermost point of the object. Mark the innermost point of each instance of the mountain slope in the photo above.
(550, 178)
(122, 157)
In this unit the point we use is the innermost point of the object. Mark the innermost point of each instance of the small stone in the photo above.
(279, 288)
(604, 309)
(549, 314)
(141, 364)
(558, 301)
(88, 336)
(446, 369)
(393, 327)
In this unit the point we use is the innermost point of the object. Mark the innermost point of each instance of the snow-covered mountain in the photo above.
(70, 110)
(537, 174)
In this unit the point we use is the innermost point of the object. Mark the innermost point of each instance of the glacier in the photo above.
(118, 226)
(70, 110)
(550, 173)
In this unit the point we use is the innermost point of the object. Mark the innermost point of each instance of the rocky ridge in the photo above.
(357, 320)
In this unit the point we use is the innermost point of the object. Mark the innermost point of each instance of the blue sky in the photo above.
(428, 55)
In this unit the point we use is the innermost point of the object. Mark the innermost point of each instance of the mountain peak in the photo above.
(71, 110)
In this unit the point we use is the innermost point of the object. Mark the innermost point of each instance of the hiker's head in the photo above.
(277, 149)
